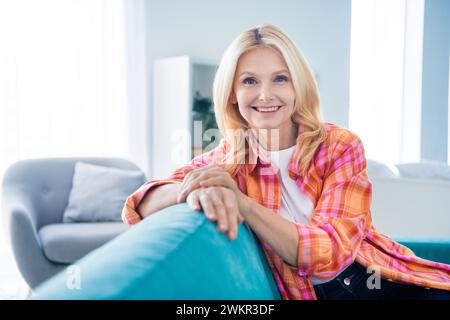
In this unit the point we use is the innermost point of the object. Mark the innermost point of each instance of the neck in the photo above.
(277, 139)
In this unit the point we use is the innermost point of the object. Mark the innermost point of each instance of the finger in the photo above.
(192, 181)
(232, 212)
(187, 178)
(220, 210)
(182, 193)
(222, 221)
(240, 218)
(207, 205)
(191, 186)
(216, 181)
(210, 214)
(193, 201)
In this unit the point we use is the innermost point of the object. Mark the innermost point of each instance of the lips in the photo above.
(266, 109)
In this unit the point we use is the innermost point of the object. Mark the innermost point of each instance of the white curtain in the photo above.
(385, 77)
(64, 79)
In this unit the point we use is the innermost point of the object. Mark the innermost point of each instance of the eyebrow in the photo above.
(253, 74)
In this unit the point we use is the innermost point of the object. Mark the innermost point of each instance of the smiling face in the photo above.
(263, 90)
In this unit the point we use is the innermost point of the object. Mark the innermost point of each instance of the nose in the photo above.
(265, 94)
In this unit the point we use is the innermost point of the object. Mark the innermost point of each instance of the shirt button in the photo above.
(347, 281)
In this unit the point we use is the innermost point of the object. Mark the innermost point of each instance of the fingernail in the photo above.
(232, 236)
(222, 227)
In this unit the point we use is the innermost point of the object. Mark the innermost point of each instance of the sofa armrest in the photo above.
(15, 202)
(175, 253)
(21, 220)
(434, 249)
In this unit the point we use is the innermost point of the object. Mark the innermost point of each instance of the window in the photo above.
(386, 78)
(62, 86)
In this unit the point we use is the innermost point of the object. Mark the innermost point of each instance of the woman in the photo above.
(299, 183)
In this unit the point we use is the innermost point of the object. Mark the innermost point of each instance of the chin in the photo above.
(265, 126)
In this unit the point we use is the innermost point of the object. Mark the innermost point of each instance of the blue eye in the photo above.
(249, 81)
(281, 79)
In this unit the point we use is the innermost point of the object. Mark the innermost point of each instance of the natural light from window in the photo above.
(385, 78)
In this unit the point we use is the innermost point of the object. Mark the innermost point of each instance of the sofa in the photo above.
(175, 253)
(178, 254)
(35, 194)
(411, 202)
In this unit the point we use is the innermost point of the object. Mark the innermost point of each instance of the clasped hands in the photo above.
(212, 189)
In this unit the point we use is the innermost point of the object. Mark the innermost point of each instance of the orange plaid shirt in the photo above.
(340, 230)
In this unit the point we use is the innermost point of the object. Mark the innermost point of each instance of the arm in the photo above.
(280, 233)
(339, 221)
(155, 195)
(159, 198)
(341, 217)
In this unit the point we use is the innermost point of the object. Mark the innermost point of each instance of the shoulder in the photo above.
(340, 147)
(212, 156)
(340, 136)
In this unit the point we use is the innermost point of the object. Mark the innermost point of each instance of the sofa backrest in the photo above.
(175, 253)
(406, 207)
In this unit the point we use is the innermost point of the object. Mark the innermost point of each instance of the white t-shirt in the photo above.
(295, 205)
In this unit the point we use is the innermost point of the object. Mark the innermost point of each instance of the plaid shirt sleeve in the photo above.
(130, 215)
(342, 216)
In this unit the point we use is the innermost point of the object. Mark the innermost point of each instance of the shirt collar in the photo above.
(258, 156)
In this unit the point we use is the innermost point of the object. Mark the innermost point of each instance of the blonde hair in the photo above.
(306, 109)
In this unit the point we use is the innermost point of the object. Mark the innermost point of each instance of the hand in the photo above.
(220, 205)
(207, 176)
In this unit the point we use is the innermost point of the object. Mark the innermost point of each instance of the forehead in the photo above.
(262, 58)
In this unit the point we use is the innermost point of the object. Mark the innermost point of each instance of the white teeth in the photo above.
(272, 109)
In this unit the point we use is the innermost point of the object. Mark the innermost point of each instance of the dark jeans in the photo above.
(351, 284)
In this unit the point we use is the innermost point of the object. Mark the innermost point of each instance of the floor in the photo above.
(12, 285)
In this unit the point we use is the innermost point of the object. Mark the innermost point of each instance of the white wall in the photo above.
(203, 29)
(408, 207)
(435, 80)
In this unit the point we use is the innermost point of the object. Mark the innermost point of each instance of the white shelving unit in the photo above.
(175, 82)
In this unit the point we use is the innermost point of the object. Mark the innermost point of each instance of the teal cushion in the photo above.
(175, 253)
(434, 249)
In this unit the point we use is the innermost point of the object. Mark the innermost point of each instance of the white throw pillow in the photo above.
(378, 169)
(425, 170)
(99, 193)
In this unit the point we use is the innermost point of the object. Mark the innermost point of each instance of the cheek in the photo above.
(287, 93)
(243, 98)
(244, 111)
(246, 95)
(290, 109)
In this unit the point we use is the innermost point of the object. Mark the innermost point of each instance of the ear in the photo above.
(233, 99)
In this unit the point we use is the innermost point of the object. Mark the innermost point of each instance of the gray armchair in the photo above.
(35, 195)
